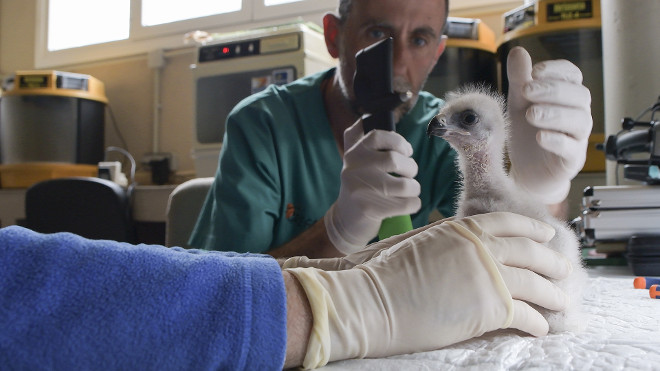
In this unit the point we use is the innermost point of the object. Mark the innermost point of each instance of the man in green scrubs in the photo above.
(297, 176)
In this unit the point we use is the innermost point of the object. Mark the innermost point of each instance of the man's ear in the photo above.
(330, 32)
(441, 47)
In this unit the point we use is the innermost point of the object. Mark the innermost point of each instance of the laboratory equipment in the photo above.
(52, 116)
(629, 214)
(51, 125)
(469, 57)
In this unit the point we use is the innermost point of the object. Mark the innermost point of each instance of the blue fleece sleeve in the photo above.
(69, 303)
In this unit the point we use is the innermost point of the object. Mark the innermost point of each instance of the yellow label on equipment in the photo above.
(569, 10)
(33, 81)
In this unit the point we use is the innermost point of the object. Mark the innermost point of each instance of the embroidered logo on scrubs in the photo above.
(290, 210)
(296, 216)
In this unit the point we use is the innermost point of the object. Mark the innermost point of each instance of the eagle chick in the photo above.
(474, 122)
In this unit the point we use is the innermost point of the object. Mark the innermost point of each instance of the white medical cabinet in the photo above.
(234, 66)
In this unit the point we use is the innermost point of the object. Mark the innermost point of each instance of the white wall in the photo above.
(17, 34)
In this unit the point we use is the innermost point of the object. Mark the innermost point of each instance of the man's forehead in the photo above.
(415, 14)
(391, 4)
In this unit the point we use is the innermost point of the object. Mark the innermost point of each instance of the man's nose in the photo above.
(400, 57)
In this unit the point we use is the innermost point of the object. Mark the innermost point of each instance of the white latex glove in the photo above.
(550, 113)
(369, 192)
(448, 283)
(359, 257)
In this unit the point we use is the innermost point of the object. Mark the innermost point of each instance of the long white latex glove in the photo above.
(359, 257)
(448, 283)
(369, 192)
(550, 113)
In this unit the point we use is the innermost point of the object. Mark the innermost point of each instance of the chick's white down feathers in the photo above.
(475, 124)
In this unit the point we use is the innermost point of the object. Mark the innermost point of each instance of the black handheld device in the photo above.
(372, 86)
(377, 99)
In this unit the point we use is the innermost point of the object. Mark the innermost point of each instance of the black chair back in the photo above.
(94, 208)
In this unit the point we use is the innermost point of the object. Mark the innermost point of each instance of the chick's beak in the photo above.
(437, 127)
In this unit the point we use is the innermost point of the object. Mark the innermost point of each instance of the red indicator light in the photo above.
(225, 50)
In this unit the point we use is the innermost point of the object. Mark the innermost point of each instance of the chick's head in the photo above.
(472, 117)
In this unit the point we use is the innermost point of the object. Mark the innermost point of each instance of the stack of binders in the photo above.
(628, 216)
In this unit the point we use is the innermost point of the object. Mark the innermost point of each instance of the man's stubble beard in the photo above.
(398, 84)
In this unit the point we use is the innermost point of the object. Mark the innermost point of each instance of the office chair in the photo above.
(183, 208)
(94, 208)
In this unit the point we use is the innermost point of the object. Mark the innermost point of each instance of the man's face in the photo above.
(416, 27)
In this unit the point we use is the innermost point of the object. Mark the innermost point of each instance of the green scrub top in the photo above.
(279, 168)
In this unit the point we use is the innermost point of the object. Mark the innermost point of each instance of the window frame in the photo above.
(138, 31)
(142, 40)
(261, 11)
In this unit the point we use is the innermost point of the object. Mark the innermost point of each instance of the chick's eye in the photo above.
(469, 117)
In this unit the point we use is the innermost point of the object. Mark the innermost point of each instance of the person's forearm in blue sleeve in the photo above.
(72, 303)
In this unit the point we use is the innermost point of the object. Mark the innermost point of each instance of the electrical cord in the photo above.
(116, 127)
(131, 183)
